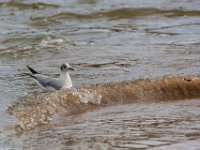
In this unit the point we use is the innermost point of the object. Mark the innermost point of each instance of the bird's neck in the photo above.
(65, 77)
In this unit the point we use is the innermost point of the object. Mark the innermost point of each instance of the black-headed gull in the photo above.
(52, 84)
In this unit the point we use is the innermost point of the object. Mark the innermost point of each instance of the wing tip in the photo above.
(31, 69)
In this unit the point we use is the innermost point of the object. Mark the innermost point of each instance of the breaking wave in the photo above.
(35, 110)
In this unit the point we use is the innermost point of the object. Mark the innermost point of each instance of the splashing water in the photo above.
(38, 109)
(87, 96)
(35, 110)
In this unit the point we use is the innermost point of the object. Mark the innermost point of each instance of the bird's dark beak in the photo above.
(72, 69)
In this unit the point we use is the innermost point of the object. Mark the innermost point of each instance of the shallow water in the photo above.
(124, 126)
(107, 42)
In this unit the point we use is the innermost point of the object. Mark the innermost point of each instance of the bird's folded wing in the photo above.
(46, 81)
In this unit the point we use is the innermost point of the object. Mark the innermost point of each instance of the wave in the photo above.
(23, 5)
(115, 14)
(120, 13)
(35, 110)
(22, 46)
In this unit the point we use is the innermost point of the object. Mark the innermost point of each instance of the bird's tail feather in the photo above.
(32, 70)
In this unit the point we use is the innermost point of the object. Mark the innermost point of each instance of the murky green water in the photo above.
(106, 41)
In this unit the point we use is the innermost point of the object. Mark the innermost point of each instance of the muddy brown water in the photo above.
(136, 83)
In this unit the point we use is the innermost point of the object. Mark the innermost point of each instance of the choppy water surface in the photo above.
(116, 45)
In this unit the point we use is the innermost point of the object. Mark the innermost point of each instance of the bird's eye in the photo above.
(63, 67)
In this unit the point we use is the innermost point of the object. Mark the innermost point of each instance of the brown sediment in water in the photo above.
(167, 88)
(37, 109)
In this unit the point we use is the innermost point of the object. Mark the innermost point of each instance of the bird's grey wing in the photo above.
(46, 81)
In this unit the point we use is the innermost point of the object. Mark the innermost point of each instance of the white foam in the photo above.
(51, 42)
(87, 96)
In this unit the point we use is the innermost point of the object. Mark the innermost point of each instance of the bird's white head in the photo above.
(65, 67)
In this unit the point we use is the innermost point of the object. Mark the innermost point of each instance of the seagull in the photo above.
(49, 84)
